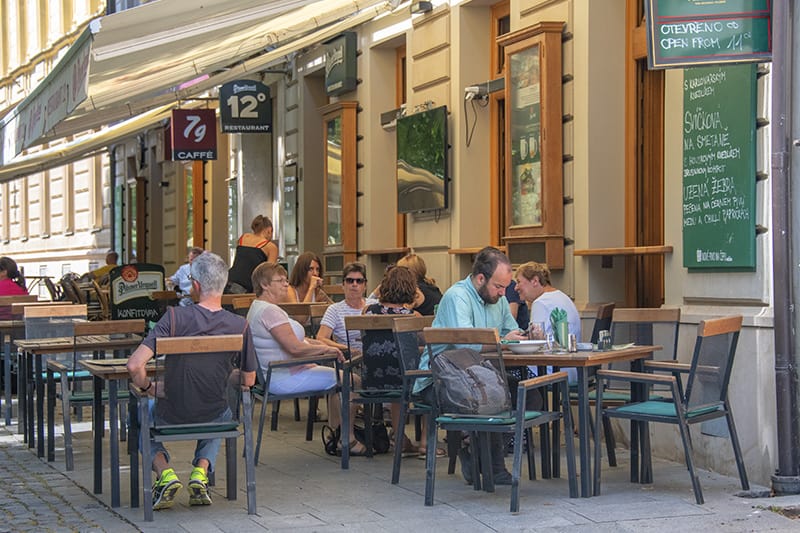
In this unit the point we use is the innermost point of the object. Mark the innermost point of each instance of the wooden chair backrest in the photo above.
(317, 310)
(44, 311)
(18, 299)
(370, 322)
(199, 344)
(461, 336)
(243, 302)
(719, 326)
(163, 295)
(102, 297)
(334, 292)
(414, 323)
(109, 327)
(647, 315)
(227, 299)
(18, 308)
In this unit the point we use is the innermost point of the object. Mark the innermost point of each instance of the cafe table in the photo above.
(33, 350)
(583, 361)
(112, 371)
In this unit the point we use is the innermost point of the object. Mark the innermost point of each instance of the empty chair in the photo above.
(71, 394)
(644, 326)
(705, 396)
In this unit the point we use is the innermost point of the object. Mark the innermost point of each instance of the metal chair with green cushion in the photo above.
(407, 336)
(515, 422)
(71, 395)
(645, 326)
(260, 392)
(705, 396)
(226, 349)
(379, 368)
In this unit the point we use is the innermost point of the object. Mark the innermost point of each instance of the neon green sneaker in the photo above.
(165, 488)
(198, 487)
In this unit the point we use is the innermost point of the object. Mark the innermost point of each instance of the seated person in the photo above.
(397, 292)
(331, 329)
(430, 293)
(278, 337)
(205, 382)
(305, 282)
(101, 274)
(11, 284)
(181, 279)
(252, 249)
(533, 285)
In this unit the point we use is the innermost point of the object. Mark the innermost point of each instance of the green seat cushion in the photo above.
(88, 396)
(504, 418)
(613, 396)
(666, 409)
(72, 374)
(204, 428)
(376, 393)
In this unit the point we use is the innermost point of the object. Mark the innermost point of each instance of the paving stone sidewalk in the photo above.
(34, 496)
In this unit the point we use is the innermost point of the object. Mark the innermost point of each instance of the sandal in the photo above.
(357, 449)
(440, 453)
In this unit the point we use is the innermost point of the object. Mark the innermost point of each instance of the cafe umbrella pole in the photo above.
(786, 479)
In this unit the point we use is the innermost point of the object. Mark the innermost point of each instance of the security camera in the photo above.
(471, 92)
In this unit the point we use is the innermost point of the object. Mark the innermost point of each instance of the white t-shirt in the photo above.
(544, 305)
(262, 317)
(334, 319)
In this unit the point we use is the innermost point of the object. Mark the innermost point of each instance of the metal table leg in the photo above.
(585, 432)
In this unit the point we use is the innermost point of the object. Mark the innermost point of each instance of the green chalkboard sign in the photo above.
(719, 167)
(697, 32)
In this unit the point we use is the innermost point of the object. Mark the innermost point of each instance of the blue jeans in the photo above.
(207, 449)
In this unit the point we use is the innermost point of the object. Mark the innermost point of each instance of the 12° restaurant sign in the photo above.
(245, 107)
(194, 134)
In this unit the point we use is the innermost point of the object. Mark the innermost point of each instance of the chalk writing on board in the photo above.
(718, 167)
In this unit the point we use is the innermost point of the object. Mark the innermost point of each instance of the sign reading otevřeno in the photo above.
(695, 32)
(719, 167)
(245, 107)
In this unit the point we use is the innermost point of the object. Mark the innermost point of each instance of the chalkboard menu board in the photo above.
(719, 167)
(695, 32)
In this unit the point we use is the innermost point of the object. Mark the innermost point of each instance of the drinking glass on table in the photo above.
(536, 331)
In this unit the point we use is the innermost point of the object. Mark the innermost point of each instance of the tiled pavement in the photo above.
(299, 488)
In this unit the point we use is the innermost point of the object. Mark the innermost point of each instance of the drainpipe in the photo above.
(112, 179)
(786, 479)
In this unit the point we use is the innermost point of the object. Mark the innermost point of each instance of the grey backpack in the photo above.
(468, 384)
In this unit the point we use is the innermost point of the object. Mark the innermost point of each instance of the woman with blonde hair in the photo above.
(426, 285)
(252, 249)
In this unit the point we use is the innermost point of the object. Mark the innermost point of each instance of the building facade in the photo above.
(606, 171)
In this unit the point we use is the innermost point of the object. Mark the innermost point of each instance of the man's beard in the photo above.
(485, 296)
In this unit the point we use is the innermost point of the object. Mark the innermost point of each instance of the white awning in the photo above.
(163, 52)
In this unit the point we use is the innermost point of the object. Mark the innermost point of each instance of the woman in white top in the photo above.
(277, 338)
(305, 282)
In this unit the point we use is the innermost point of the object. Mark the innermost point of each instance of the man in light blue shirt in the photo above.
(182, 280)
(478, 301)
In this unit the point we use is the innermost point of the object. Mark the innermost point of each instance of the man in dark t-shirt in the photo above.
(194, 388)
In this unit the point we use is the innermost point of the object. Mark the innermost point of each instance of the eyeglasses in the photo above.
(358, 281)
(280, 280)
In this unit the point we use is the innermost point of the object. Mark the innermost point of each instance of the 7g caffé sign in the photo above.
(695, 32)
(245, 106)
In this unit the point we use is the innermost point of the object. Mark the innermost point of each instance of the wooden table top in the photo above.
(84, 343)
(579, 359)
(111, 368)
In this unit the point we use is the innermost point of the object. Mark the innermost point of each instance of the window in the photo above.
(13, 35)
(55, 21)
(501, 25)
(33, 43)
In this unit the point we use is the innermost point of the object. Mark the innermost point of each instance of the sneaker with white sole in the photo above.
(165, 488)
(198, 487)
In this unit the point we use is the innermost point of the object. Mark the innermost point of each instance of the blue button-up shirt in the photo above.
(462, 307)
